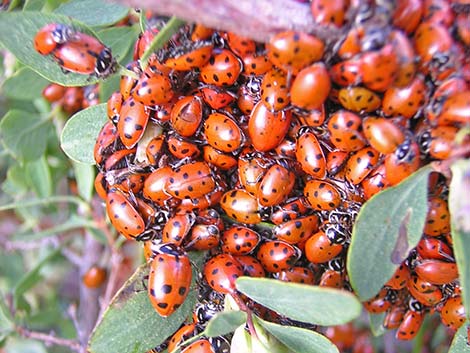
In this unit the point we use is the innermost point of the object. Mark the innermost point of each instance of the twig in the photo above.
(258, 19)
(49, 338)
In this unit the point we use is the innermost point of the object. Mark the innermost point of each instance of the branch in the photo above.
(258, 19)
(49, 338)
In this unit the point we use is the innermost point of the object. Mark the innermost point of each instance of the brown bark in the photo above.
(258, 19)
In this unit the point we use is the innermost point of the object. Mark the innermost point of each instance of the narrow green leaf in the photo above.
(6, 320)
(119, 39)
(39, 177)
(26, 25)
(376, 324)
(131, 324)
(33, 5)
(25, 84)
(24, 134)
(224, 323)
(312, 304)
(74, 222)
(93, 12)
(85, 177)
(388, 226)
(459, 208)
(16, 182)
(300, 340)
(45, 201)
(459, 343)
(33, 276)
(80, 133)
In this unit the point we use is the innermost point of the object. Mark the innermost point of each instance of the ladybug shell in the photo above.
(239, 240)
(453, 313)
(410, 325)
(190, 181)
(310, 155)
(275, 186)
(132, 122)
(169, 281)
(296, 230)
(319, 249)
(200, 346)
(436, 272)
(123, 215)
(276, 255)
(241, 206)
(222, 132)
(221, 271)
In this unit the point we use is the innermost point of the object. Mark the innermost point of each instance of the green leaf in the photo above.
(85, 176)
(376, 324)
(93, 12)
(33, 5)
(25, 84)
(459, 343)
(241, 341)
(39, 177)
(31, 278)
(80, 133)
(312, 304)
(387, 227)
(22, 345)
(26, 25)
(119, 39)
(24, 134)
(6, 320)
(108, 87)
(16, 182)
(131, 324)
(300, 340)
(224, 323)
(459, 208)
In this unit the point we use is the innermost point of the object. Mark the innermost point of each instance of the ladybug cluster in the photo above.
(262, 154)
(71, 99)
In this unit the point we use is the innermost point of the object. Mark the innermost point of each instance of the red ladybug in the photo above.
(276, 255)
(133, 119)
(241, 206)
(345, 131)
(276, 185)
(169, 279)
(239, 240)
(222, 69)
(310, 155)
(321, 195)
(310, 87)
(453, 313)
(222, 132)
(123, 215)
(49, 37)
(189, 181)
(221, 271)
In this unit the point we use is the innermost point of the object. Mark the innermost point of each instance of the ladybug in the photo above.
(51, 36)
(455, 110)
(394, 317)
(453, 313)
(239, 240)
(291, 51)
(437, 218)
(127, 83)
(322, 195)
(347, 72)
(381, 302)
(434, 248)
(407, 14)
(399, 278)
(439, 142)
(312, 118)
(267, 129)
(200, 32)
(332, 279)
(360, 164)
(290, 210)
(53, 92)
(405, 101)
(409, 327)
(251, 266)
(277, 255)
(218, 159)
(359, 99)
(72, 100)
(256, 65)
(343, 336)
(329, 13)
(201, 203)
(191, 180)
(436, 271)
(296, 274)
(345, 131)
(405, 52)
(222, 69)
(319, 248)
(169, 279)
(241, 46)
(154, 150)
(438, 11)
(310, 87)
(153, 90)
(275, 186)
(296, 230)
(105, 142)
(90, 96)
(379, 68)
(221, 271)
(154, 185)
(203, 237)
(119, 159)
(427, 297)
(123, 215)
(181, 148)
(351, 45)
(189, 56)
(241, 206)
(382, 134)
(310, 155)
(184, 332)
(200, 346)
(217, 97)
(147, 211)
(403, 162)
(133, 119)
(251, 169)
(246, 100)
(177, 228)
(94, 277)
(186, 115)
(335, 161)
(144, 41)
(130, 182)
(274, 90)
(222, 133)
(101, 186)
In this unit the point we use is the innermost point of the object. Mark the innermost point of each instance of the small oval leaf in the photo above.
(241, 341)
(376, 324)
(300, 340)
(387, 227)
(312, 304)
(25, 84)
(224, 323)
(93, 12)
(26, 25)
(24, 134)
(459, 208)
(459, 343)
(80, 133)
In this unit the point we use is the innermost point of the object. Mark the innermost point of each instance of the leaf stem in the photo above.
(49, 338)
(45, 201)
